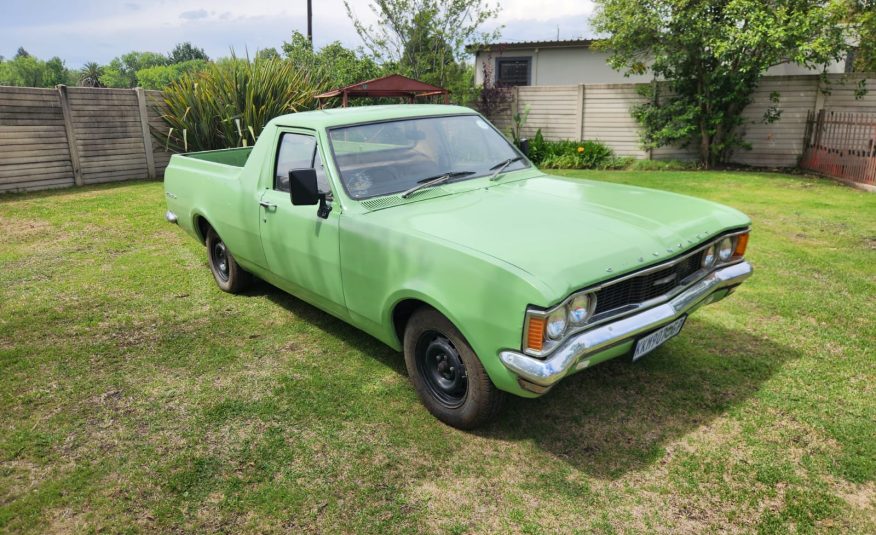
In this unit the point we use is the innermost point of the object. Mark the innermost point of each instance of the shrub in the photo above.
(228, 104)
(663, 165)
(160, 76)
(572, 154)
(618, 162)
(537, 148)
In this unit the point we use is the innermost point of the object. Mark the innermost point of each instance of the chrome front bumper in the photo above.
(546, 372)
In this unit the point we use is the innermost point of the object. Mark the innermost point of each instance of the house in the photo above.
(572, 62)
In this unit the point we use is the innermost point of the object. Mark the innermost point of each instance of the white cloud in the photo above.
(194, 14)
(546, 10)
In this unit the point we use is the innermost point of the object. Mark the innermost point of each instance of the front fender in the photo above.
(425, 295)
(482, 296)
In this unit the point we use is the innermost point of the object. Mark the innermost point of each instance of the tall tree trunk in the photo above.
(705, 145)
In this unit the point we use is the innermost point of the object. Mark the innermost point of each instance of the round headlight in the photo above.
(709, 257)
(579, 309)
(556, 324)
(725, 249)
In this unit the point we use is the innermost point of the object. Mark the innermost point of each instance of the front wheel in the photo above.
(446, 373)
(230, 277)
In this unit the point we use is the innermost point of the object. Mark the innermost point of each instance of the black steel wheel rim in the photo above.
(220, 260)
(442, 369)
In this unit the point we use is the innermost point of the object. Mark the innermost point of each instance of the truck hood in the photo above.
(568, 233)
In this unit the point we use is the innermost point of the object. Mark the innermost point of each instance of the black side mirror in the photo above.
(304, 191)
(524, 147)
(302, 187)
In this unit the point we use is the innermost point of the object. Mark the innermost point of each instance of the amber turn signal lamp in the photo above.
(741, 244)
(535, 336)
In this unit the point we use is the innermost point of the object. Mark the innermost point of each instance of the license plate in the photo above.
(657, 338)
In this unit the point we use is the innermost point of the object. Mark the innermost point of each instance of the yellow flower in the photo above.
(580, 149)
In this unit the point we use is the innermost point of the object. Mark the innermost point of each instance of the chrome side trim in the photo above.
(170, 216)
(546, 372)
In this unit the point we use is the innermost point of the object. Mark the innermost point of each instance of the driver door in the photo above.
(301, 248)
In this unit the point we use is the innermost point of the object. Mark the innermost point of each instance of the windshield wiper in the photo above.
(428, 182)
(499, 167)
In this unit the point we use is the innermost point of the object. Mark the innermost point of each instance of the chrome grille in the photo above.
(638, 289)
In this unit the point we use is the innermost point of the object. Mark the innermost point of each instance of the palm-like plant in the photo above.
(228, 104)
(90, 75)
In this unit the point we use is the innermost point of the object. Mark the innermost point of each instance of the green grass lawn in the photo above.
(135, 396)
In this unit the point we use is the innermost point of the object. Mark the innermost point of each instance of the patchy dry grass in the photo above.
(135, 396)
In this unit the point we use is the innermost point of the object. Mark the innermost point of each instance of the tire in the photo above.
(229, 276)
(434, 350)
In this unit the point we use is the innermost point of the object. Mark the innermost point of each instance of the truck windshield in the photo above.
(392, 157)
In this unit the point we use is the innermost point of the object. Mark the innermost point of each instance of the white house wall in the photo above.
(580, 65)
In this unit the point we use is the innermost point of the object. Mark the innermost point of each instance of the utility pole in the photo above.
(310, 21)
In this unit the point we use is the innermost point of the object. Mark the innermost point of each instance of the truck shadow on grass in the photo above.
(618, 416)
(332, 326)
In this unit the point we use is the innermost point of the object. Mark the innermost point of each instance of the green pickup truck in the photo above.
(424, 227)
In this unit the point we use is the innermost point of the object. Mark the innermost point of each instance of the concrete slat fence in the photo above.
(602, 112)
(67, 136)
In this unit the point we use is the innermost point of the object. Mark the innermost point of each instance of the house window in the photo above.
(512, 71)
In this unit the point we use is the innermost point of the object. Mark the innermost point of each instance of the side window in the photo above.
(295, 152)
(321, 178)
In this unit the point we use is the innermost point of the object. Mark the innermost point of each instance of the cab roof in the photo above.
(365, 114)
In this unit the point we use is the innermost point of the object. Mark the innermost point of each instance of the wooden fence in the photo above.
(69, 136)
(842, 145)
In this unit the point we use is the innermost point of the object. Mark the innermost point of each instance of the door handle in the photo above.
(267, 205)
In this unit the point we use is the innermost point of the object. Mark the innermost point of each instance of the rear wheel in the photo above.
(446, 373)
(230, 277)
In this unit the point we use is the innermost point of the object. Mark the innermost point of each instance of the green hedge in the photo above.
(593, 155)
(573, 154)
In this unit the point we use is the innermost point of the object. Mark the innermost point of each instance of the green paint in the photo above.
(478, 251)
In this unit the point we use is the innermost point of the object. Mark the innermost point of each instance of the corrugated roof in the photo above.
(392, 85)
(517, 45)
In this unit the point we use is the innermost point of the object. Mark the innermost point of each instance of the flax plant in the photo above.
(228, 104)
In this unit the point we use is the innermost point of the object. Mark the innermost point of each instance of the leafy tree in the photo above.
(427, 55)
(334, 63)
(347, 65)
(89, 75)
(56, 73)
(183, 52)
(712, 54)
(862, 18)
(268, 53)
(122, 71)
(5, 72)
(299, 50)
(160, 76)
(27, 70)
(403, 23)
(425, 39)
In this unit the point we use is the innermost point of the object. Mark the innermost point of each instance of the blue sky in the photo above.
(98, 30)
